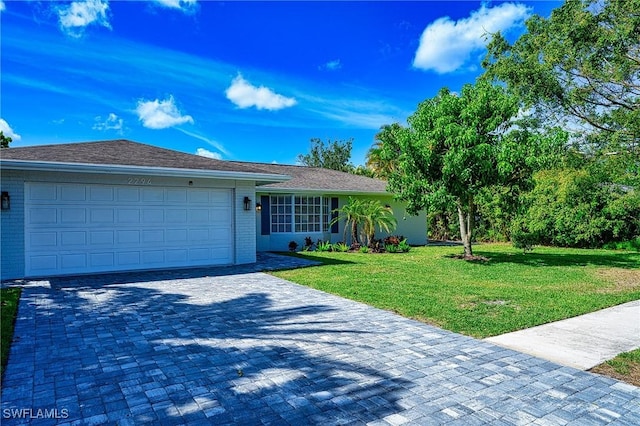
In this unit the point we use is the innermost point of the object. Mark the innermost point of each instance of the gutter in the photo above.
(326, 191)
(50, 166)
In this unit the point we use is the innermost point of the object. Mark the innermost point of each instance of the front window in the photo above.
(281, 213)
(310, 213)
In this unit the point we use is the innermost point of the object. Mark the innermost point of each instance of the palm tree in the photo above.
(377, 215)
(352, 213)
(366, 215)
(379, 160)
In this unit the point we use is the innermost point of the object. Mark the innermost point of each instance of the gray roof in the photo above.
(319, 179)
(127, 153)
(121, 153)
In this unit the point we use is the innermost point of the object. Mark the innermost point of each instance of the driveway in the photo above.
(231, 346)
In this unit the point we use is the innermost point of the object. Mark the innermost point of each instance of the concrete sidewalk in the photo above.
(581, 342)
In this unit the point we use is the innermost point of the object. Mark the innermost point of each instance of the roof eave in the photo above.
(320, 191)
(264, 178)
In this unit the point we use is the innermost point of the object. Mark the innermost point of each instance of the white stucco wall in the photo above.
(414, 228)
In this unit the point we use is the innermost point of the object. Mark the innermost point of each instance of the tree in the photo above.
(380, 164)
(335, 155)
(454, 147)
(572, 207)
(366, 215)
(581, 67)
(352, 213)
(376, 215)
(4, 140)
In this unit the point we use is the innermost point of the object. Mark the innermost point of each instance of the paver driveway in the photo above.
(250, 348)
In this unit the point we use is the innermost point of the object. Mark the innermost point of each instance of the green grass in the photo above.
(9, 298)
(625, 366)
(509, 292)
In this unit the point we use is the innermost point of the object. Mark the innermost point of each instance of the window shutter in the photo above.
(265, 215)
(334, 205)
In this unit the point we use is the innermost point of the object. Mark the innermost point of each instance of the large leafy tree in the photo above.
(456, 145)
(334, 155)
(581, 67)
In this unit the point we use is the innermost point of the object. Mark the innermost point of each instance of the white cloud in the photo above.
(112, 122)
(75, 17)
(245, 95)
(184, 5)
(2, 6)
(331, 65)
(447, 45)
(8, 131)
(213, 143)
(206, 153)
(161, 114)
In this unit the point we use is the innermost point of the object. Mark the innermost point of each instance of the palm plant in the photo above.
(352, 213)
(377, 215)
(365, 215)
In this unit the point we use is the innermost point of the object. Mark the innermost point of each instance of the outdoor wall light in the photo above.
(258, 207)
(5, 201)
(247, 203)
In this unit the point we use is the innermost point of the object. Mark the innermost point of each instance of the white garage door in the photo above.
(78, 228)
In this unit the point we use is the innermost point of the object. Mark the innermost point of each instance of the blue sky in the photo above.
(248, 81)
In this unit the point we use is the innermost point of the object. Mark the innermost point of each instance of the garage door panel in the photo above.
(43, 263)
(127, 194)
(44, 239)
(73, 215)
(176, 235)
(72, 228)
(128, 237)
(102, 260)
(128, 216)
(102, 237)
(177, 255)
(101, 216)
(73, 193)
(198, 196)
(73, 238)
(44, 215)
(153, 215)
(153, 195)
(177, 196)
(73, 262)
(153, 236)
(101, 193)
(129, 258)
(154, 256)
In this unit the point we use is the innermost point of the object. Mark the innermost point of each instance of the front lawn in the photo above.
(625, 367)
(509, 292)
(9, 298)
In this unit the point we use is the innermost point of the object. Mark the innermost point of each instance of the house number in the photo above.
(138, 181)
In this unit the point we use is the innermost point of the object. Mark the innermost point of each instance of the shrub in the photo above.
(323, 246)
(308, 244)
(340, 247)
(364, 249)
(404, 246)
(293, 246)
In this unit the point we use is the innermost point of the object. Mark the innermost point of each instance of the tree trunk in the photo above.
(354, 233)
(466, 220)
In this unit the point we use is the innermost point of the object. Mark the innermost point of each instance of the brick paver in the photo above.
(232, 346)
